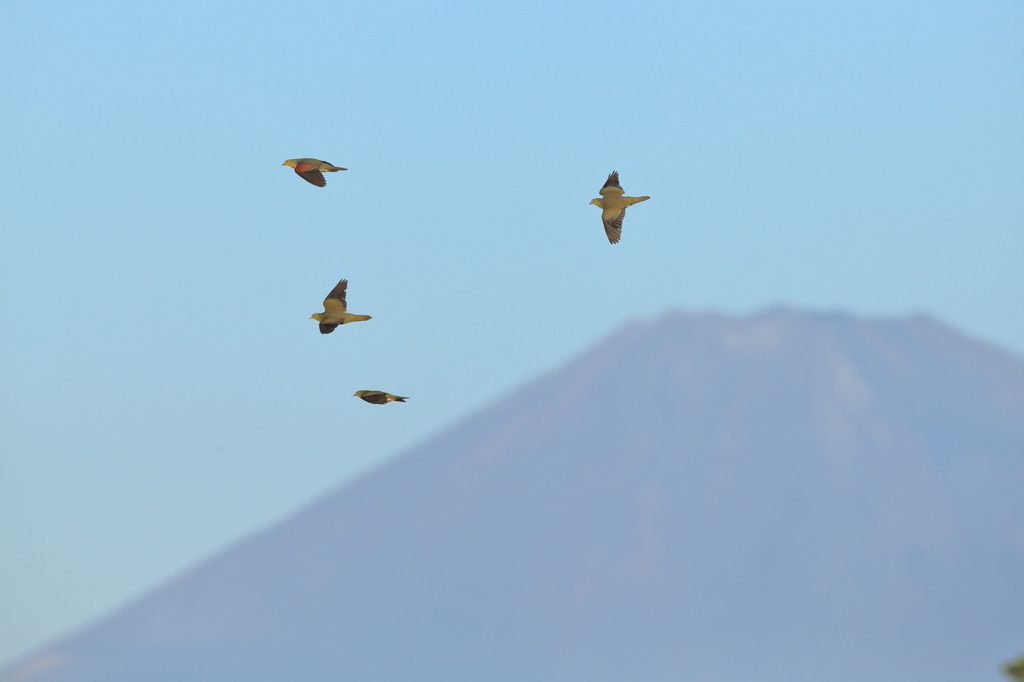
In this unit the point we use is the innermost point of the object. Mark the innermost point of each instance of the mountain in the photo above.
(782, 496)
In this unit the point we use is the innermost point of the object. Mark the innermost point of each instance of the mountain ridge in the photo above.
(813, 487)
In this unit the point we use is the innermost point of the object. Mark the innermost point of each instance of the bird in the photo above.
(1015, 669)
(379, 397)
(614, 206)
(312, 170)
(334, 310)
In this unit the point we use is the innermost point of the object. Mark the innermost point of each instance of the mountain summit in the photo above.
(783, 496)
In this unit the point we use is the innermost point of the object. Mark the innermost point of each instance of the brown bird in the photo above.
(312, 170)
(1015, 669)
(335, 310)
(379, 397)
(613, 206)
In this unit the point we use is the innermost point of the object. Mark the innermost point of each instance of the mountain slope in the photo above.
(790, 496)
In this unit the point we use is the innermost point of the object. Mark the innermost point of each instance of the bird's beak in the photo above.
(313, 316)
(356, 394)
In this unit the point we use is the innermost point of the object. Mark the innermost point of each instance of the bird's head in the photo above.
(359, 394)
(319, 317)
(289, 162)
(596, 202)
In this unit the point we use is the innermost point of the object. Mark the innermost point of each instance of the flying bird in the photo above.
(1015, 669)
(379, 397)
(312, 170)
(334, 310)
(613, 206)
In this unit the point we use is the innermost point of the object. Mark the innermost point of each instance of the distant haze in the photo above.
(784, 496)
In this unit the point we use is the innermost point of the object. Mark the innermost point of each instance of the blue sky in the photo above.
(163, 390)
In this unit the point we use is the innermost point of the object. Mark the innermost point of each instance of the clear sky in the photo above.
(162, 390)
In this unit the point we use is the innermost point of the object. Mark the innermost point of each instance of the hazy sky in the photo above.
(163, 392)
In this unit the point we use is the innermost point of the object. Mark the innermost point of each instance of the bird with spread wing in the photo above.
(379, 397)
(1015, 669)
(312, 170)
(335, 310)
(613, 205)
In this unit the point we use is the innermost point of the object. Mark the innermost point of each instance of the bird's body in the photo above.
(379, 397)
(1015, 669)
(613, 206)
(336, 310)
(312, 170)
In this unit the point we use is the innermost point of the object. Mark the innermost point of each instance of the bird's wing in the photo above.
(335, 301)
(314, 177)
(611, 187)
(376, 398)
(613, 227)
(326, 328)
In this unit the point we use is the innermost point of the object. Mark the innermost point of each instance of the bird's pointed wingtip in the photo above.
(612, 181)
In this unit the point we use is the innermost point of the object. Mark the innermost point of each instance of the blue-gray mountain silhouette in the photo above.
(783, 496)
